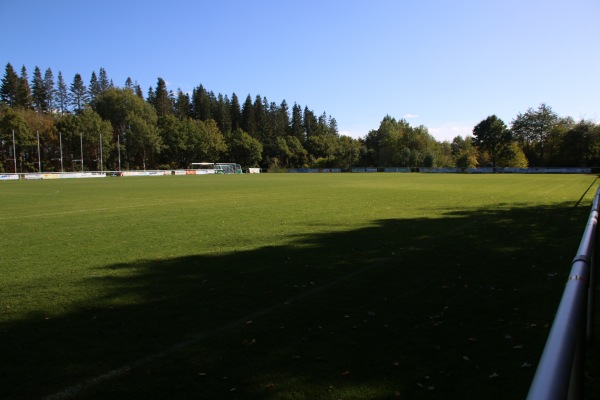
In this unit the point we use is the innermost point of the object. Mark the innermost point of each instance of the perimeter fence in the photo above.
(561, 371)
(103, 174)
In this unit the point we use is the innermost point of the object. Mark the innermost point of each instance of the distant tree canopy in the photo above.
(492, 136)
(100, 125)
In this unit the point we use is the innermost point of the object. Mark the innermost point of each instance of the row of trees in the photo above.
(113, 127)
(102, 126)
(539, 137)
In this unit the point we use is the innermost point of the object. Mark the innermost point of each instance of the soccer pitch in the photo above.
(283, 286)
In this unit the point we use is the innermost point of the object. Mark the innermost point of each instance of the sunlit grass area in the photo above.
(283, 286)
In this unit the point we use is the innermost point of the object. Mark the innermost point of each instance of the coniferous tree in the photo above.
(162, 101)
(282, 126)
(213, 104)
(49, 87)
(235, 113)
(62, 94)
(10, 86)
(182, 105)
(151, 97)
(221, 114)
(78, 93)
(201, 104)
(248, 122)
(311, 125)
(128, 83)
(138, 91)
(103, 83)
(332, 125)
(24, 92)
(38, 91)
(323, 125)
(259, 118)
(94, 87)
(297, 124)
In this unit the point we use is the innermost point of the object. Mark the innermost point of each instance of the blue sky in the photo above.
(443, 64)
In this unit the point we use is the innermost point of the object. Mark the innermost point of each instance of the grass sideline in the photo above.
(354, 286)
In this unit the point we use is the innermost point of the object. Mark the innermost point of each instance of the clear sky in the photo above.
(443, 64)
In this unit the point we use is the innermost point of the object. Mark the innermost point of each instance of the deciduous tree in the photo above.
(134, 122)
(532, 130)
(12, 120)
(244, 149)
(492, 136)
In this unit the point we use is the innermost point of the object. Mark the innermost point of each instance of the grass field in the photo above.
(283, 286)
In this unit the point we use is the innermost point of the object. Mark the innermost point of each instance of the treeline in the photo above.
(102, 126)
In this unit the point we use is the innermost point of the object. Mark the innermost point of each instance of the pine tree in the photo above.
(10, 86)
(49, 87)
(103, 82)
(221, 114)
(297, 124)
(138, 90)
(235, 113)
(62, 95)
(259, 118)
(201, 104)
(24, 92)
(128, 83)
(332, 125)
(311, 125)
(283, 119)
(323, 125)
(182, 105)
(78, 96)
(248, 122)
(162, 100)
(94, 87)
(151, 97)
(38, 92)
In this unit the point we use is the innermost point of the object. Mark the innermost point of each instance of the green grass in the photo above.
(281, 286)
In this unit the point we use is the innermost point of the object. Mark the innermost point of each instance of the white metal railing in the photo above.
(561, 371)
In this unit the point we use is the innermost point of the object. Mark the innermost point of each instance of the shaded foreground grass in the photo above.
(355, 288)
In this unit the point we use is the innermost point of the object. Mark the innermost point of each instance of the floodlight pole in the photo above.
(101, 152)
(61, 154)
(81, 148)
(119, 149)
(14, 151)
(39, 158)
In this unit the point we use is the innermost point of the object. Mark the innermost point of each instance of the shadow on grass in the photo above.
(456, 307)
